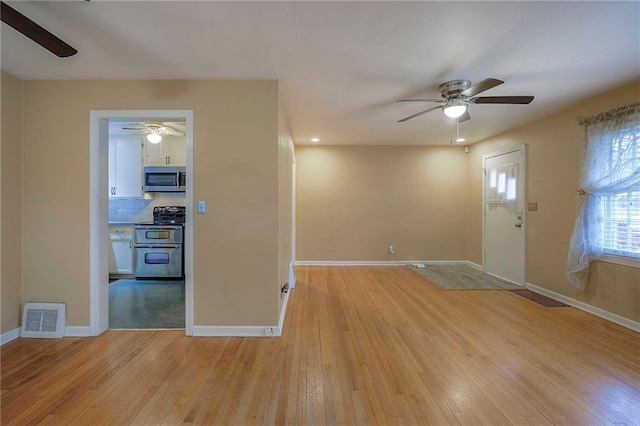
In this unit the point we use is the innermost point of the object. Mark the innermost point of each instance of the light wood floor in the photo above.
(360, 346)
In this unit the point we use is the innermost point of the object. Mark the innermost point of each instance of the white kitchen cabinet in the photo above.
(171, 151)
(125, 168)
(120, 250)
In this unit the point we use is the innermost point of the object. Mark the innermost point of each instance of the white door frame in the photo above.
(522, 147)
(99, 212)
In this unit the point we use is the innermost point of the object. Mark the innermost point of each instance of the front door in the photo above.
(504, 215)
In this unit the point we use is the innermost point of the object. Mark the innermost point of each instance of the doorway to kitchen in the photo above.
(138, 278)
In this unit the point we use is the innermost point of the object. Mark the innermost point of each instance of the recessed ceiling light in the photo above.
(460, 140)
(315, 140)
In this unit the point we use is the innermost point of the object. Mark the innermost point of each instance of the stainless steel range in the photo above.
(158, 246)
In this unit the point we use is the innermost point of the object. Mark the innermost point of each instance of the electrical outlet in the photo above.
(268, 331)
(391, 250)
(533, 206)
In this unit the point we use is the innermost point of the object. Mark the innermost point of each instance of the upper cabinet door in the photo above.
(125, 168)
(171, 151)
(156, 153)
(178, 155)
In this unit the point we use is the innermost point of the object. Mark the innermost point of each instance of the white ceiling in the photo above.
(341, 65)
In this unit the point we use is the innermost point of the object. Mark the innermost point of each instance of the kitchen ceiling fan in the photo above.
(457, 95)
(35, 32)
(155, 131)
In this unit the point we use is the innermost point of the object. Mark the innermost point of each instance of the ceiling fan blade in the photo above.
(171, 132)
(421, 100)
(35, 32)
(134, 128)
(464, 117)
(418, 114)
(176, 125)
(522, 100)
(480, 87)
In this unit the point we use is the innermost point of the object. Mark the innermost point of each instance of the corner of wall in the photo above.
(11, 187)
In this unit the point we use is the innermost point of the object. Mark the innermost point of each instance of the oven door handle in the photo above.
(158, 246)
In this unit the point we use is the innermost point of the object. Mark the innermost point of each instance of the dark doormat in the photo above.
(539, 299)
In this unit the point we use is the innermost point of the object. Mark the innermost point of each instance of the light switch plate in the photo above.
(533, 206)
(202, 207)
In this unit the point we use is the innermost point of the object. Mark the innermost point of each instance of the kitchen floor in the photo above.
(146, 304)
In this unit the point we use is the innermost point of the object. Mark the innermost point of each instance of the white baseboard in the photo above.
(10, 335)
(77, 331)
(625, 322)
(347, 263)
(243, 330)
(230, 331)
(73, 331)
(382, 262)
(474, 265)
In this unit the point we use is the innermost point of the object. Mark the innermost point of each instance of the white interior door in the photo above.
(504, 215)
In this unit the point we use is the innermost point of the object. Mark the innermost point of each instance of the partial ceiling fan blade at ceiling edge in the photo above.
(418, 114)
(519, 100)
(480, 87)
(35, 32)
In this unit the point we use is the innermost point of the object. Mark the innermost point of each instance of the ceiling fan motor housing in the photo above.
(454, 87)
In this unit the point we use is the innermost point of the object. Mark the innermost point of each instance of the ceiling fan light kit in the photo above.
(454, 108)
(457, 95)
(154, 137)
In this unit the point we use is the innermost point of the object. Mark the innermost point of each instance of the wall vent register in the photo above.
(44, 320)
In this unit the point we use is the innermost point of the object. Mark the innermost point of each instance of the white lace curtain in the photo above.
(610, 165)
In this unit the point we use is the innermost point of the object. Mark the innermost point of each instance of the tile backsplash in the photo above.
(140, 210)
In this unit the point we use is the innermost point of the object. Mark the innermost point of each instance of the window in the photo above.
(607, 223)
(502, 184)
(621, 224)
(621, 210)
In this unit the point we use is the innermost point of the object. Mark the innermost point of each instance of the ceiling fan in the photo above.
(457, 95)
(155, 131)
(35, 32)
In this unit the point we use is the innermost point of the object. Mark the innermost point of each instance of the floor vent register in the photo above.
(44, 320)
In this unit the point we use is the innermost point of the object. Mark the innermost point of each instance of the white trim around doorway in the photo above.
(99, 215)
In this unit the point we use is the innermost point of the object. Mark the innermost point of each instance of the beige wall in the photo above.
(554, 147)
(11, 202)
(353, 202)
(235, 170)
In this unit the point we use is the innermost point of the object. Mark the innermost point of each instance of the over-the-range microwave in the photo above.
(165, 179)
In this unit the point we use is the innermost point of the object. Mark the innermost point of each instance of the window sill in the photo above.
(621, 260)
